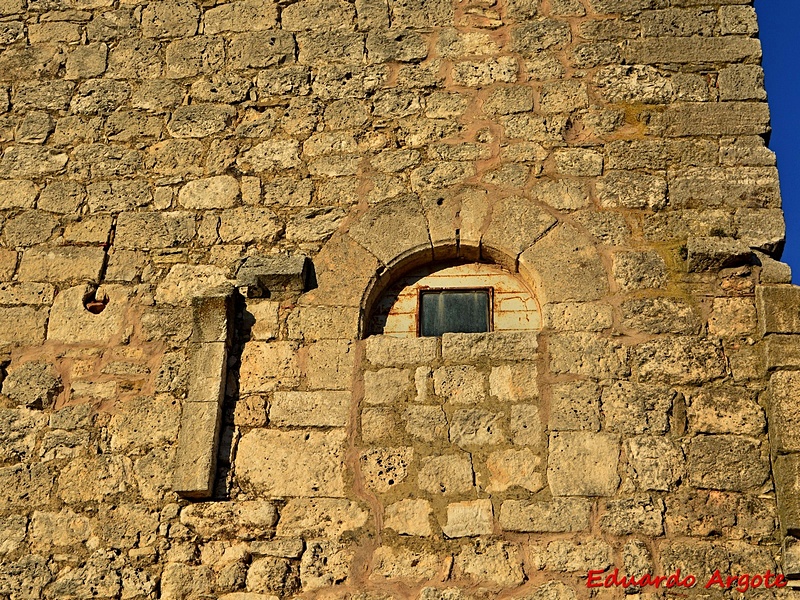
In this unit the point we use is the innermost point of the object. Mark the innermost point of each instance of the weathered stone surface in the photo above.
(33, 385)
(583, 464)
(576, 275)
(728, 410)
(497, 563)
(394, 352)
(267, 366)
(472, 518)
(629, 408)
(310, 409)
(784, 413)
(510, 468)
(72, 323)
(409, 517)
(638, 515)
(726, 462)
(556, 516)
(404, 564)
(656, 463)
(588, 354)
(516, 224)
(575, 406)
(321, 517)
(292, 463)
(475, 427)
(450, 474)
(470, 347)
(777, 308)
(679, 360)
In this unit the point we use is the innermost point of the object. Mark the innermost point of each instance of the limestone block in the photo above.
(144, 422)
(656, 463)
(64, 528)
(271, 155)
(310, 409)
(19, 428)
(525, 425)
(510, 468)
(679, 360)
(28, 228)
(570, 556)
(578, 316)
(640, 514)
(329, 364)
(8, 264)
(135, 58)
(22, 162)
(112, 196)
(260, 50)
(88, 61)
(787, 484)
(421, 13)
(214, 519)
(472, 427)
(629, 408)
(110, 476)
(563, 96)
(698, 557)
(380, 424)
(778, 308)
(26, 485)
(498, 563)
(514, 383)
(466, 519)
(72, 323)
(409, 517)
(404, 564)
(579, 162)
(245, 15)
(267, 366)
(318, 14)
(482, 73)
(292, 463)
(762, 228)
(559, 515)
(448, 475)
(323, 322)
(321, 518)
(718, 118)
(689, 49)
(182, 581)
(33, 385)
(396, 352)
(372, 14)
(426, 423)
(99, 96)
(89, 230)
(532, 37)
(214, 192)
(472, 347)
(17, 193)
(37, 294)
(154, 229)
(627, 189)
(588, 354)
(565, 266)
(460, 384)
(325, 47)
(660, 315)
(187, 57)
(516, 224)
(12, 533)
(727, 410)
(393, 231)
(726, 462)
(583, 463)
(170, 19)
(387, 386)
(43, 94)
(196, 456)
(509, 100)
(396, 45)
(784, 412)
(325, 564)
(384, 468)
(22, 325)
(199, 120)
(706, 254)
(185, 282)
(639, 270)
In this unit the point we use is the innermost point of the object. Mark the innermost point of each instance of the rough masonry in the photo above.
(201, 206)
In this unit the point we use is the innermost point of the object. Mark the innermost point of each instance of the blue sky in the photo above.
(778, 20)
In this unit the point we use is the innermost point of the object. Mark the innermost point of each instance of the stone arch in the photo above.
(553, 257)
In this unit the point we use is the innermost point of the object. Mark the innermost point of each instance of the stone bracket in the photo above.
(274, 276)
(201, 418)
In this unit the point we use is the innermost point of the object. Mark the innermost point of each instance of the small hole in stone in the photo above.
(95, 304)
(440, 201)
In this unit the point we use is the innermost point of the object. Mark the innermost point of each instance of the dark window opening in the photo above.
(454, 311)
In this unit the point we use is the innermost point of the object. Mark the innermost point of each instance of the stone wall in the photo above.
(178, 422)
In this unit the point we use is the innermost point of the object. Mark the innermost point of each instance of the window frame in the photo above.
(489, 290)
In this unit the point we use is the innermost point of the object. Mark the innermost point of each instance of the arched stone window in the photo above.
(454, 297)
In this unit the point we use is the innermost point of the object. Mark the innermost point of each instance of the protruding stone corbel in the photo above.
(201, 418)
(274, 276)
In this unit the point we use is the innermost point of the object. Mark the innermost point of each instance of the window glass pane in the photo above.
(453, 311)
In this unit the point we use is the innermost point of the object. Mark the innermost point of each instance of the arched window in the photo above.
(440, 298)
